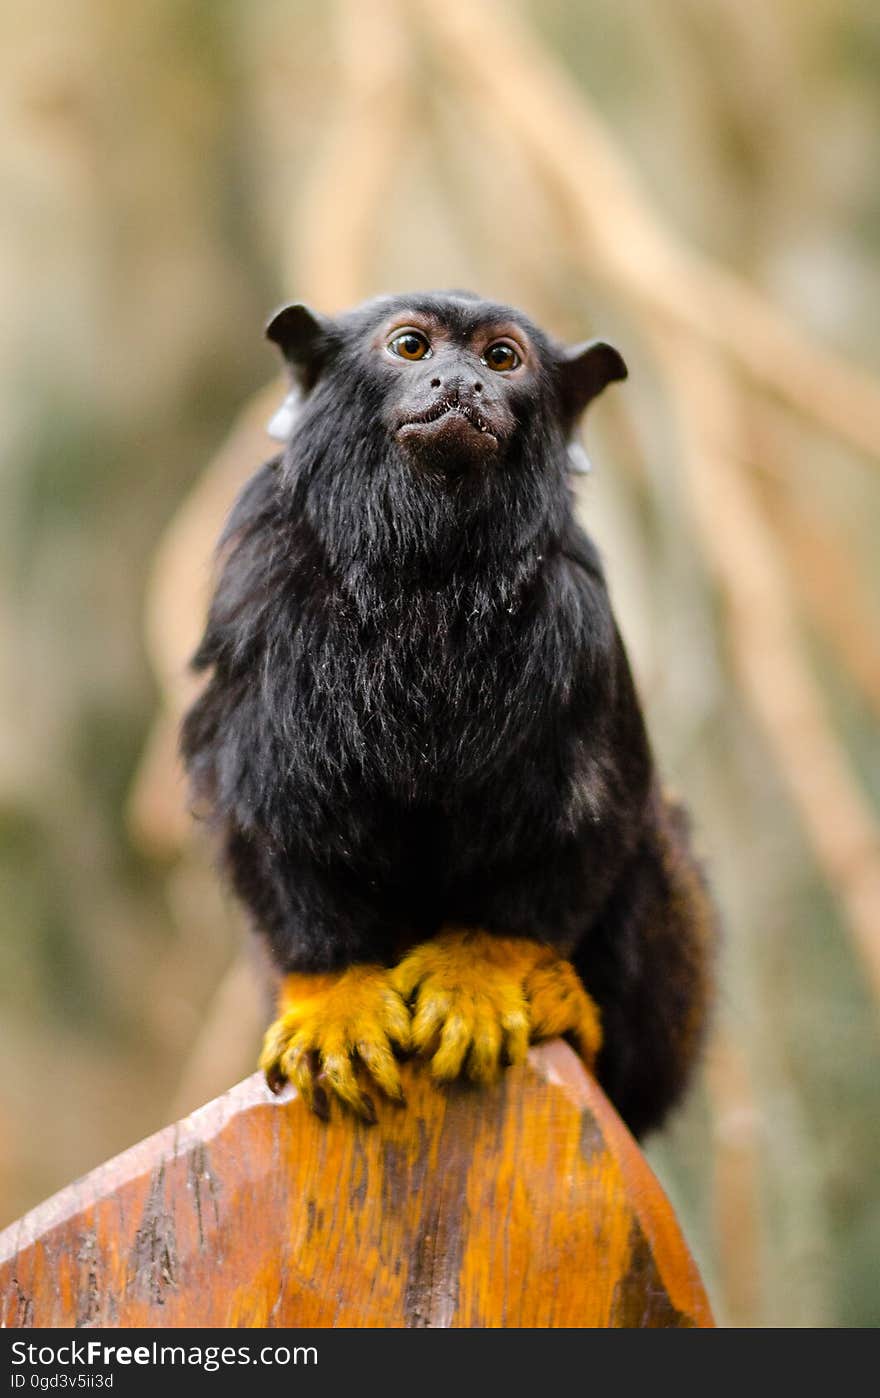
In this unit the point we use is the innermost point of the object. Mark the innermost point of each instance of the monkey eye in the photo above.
(501, 357)
(411, 344)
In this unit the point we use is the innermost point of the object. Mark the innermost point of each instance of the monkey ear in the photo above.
(587, 369)
(303, 338)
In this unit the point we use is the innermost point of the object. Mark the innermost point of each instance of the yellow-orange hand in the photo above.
(329, 1025)
(479, 1000)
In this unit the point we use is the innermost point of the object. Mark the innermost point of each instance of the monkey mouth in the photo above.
(448, 417)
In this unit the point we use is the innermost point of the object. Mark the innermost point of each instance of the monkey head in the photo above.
(431, 412)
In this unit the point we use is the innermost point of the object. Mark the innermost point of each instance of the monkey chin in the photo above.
(452, 441)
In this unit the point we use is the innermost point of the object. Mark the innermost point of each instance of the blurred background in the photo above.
(696, 180)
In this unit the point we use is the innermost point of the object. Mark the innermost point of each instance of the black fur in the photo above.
(419, 709)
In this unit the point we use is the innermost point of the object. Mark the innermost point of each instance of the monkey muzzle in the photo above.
(451, 431)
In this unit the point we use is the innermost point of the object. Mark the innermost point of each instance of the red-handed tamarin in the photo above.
(419, 740)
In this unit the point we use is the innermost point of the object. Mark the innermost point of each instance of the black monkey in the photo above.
(419, 739)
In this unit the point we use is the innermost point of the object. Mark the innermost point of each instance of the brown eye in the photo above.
(410, 345)
(501, 357)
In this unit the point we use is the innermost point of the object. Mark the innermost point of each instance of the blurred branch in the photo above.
(766, 647)
(229, 1037)
(355, 170)
(613, 229)
(833, 594)
(820, 563)
(176, 605)
(736, 1166)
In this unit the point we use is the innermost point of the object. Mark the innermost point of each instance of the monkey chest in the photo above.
(418, 706)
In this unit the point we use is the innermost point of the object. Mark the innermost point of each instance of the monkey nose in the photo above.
(456, 386)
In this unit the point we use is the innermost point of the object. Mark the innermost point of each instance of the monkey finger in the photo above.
(303, 1069)
(275, 1079)
(431, 1011)
(275, 1041)
(396, 1019)
(516, 1036)
(409, 973)
(587, 1032)
(338, 1072)
(559, 1004)
(552, 995)
(320, 1104)
(455, 1039)
(379, 1062)
(485, 1052)
(271, 1062)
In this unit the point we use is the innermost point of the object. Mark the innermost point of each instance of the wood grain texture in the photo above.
(524, 1204)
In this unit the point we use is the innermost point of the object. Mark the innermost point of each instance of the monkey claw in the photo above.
(329, 1026)
(478, 1001)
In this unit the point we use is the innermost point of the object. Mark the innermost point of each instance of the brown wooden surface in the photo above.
(525, 1204)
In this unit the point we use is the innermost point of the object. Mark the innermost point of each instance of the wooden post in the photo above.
(524, 1204)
